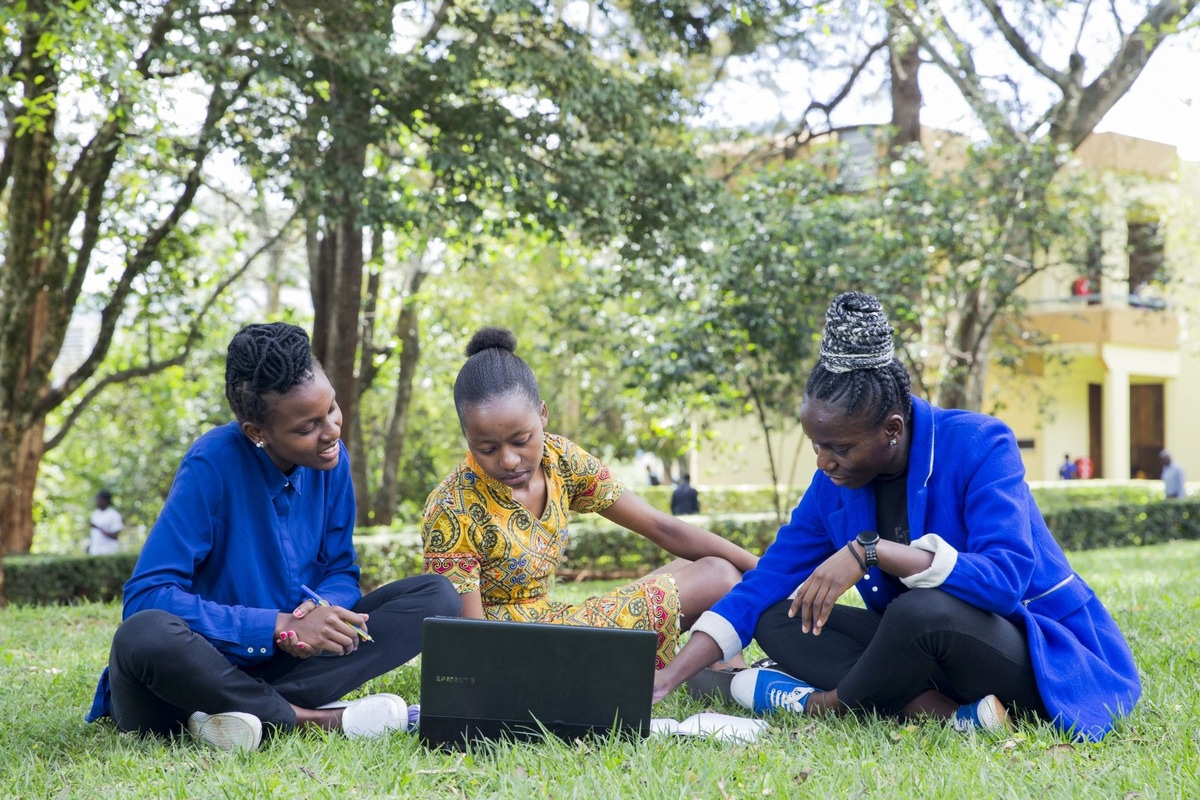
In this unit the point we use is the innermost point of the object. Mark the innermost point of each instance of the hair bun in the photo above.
(857, 334)
(492, 337)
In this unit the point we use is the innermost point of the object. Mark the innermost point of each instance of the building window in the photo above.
(1146, 260)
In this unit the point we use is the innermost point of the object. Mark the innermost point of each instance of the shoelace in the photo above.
(789, 699)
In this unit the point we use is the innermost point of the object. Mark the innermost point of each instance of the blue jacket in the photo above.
(966, 484)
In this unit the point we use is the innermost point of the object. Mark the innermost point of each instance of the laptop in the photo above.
(487, 680)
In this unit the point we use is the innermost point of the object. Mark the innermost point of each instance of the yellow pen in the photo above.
(316, 598)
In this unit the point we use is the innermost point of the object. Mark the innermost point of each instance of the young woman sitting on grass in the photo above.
(971, 606)
(497, 524)
(219, 630)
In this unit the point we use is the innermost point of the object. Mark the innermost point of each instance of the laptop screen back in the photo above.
(486, 679)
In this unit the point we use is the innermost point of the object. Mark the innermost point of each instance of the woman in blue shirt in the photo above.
(219, 632)
(971, 605)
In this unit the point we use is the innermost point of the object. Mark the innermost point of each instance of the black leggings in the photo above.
(926, 639)
(161, 671)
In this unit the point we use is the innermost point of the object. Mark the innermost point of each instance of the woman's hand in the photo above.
(816, 596)
(312, 629)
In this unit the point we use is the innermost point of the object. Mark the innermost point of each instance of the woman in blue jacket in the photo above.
(971, 605)
(249, 575)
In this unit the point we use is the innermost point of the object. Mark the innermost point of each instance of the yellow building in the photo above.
(1123, 324)
(1117, 383)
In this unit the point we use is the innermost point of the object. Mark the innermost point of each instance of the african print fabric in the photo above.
(481, 539)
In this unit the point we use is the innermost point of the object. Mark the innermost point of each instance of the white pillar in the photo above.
(1116, 425)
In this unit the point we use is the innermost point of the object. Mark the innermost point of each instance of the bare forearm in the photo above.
(690, 542)
(700, 651)
(472, 605)
(900, 559)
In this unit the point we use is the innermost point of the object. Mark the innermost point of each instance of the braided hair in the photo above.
(493, 369)
(265, 358)
(858, 364)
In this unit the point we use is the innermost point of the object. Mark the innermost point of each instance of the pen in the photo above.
(316, 598)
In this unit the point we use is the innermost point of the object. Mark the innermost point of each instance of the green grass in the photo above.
(50, 657)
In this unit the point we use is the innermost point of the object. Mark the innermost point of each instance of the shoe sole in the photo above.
(993, 716)
(233, 730)
(711, 683)
(375, 715)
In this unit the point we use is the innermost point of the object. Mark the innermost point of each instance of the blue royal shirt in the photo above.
(234, 542)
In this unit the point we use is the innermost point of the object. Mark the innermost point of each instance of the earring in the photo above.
(259, 444)
(892, 442)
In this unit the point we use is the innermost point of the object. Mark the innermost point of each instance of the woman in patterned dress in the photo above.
(497, 525)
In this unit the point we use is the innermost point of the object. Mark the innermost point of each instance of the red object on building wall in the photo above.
(1083, 468)
(1081, 287)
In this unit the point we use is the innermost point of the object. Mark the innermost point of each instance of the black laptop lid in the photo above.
(485, 679)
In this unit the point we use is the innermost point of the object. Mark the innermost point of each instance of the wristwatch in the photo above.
(868, 540)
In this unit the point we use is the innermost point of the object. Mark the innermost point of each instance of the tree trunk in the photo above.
(367, 372)
(904, 61)
(24, 304)
(21, 450)
(337, 284)
(408, 331)
(962, 386)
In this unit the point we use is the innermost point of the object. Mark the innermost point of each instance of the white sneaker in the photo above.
(373, 715)
(230, 730)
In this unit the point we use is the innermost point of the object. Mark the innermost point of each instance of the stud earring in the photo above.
(259, 444)
(892, 442)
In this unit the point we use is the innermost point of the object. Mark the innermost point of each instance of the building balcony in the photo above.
(1087, 320)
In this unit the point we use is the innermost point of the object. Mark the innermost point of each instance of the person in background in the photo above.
(970, 606)
(1172, 477)
(249, 572)
(105, 526)
(1067, 470)
(497, 526)
(651, 478)
(685, 499)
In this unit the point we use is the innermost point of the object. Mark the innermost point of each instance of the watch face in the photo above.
(868, 537)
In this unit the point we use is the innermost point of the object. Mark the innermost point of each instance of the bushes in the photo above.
(1125, 524)
(50, 580)
(598, 548)
(725, 499)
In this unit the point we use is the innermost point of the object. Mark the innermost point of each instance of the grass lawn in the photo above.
(50, 658)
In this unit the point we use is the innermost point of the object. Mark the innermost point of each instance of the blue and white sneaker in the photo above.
(764, 691)
(987, 715)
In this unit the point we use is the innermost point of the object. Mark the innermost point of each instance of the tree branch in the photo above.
(1098, 97)
(140, 260)
(1021, 47)
(125, 375)
(962, 73)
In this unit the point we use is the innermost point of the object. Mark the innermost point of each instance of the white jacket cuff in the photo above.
(721, 632)
(944, 559)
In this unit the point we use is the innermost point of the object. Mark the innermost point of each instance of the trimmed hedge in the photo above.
(1125, 524)
(724, 499)
(599, 548)
(55, 580)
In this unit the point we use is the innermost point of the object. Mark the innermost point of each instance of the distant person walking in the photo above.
(685, 499)
(651, 478)
(1172, 477)
(106, 525)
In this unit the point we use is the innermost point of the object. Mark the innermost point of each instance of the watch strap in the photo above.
(868, 540)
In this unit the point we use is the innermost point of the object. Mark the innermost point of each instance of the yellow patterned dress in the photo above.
(479, 537)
